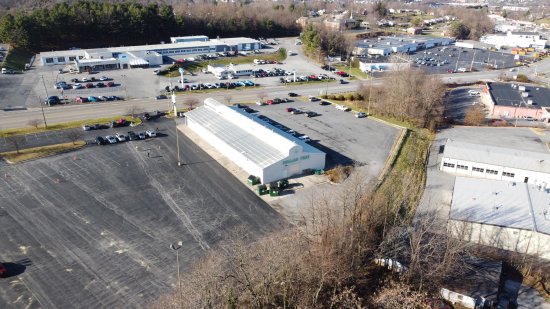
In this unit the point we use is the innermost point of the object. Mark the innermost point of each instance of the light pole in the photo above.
(176, 127)
(370, 91)
(176, 247)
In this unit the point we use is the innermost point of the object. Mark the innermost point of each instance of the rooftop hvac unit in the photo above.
(379, 39)
(521, 88)
(529, 102)
(388, 43)
(525, 94)
(537, 89)
(547, 215)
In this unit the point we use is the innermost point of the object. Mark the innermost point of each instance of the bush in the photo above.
(522, 78)
(349, 97)
(339, 97)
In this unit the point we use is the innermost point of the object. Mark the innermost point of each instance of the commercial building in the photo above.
(516, 101)
(144, 55)
(515, 39)
(385, 46)
(506, 215)
(496, 163)
(255, 146)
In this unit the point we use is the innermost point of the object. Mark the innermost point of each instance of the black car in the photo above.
(311, 114)
(52, 100)
(323, 102)
(132, 136)
(100, 140)
(99, 85)
(249, 110)
(147, 116)
(161, 97)
(292, 94)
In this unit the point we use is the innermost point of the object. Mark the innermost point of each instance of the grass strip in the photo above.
(13, 157)
(65, 125)
(17, 58)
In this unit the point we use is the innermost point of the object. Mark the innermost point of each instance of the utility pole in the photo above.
(370, 92)
(473, 58)
(176, 127)
(177, 247)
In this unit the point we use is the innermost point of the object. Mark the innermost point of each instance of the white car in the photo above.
(150, 133)
(103, 78)
(111, 139)
(121, 137)
(85, 79)
(156, 72)
(292, 53)
(305, 138)
(77, 86)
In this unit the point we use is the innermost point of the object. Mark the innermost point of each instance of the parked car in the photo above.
(290, 109)
(292, 94)
(120, 137)
(80, 100)
(150, 133)
(100, 85)
(100, 140)
(132, 136)
(360, 115)
(313, 98)
(86, 127)
(110, 84)
(52, 100)
(85, 79)
(260, 103)
(141, 135)
(311, 114)
(323, 102)
(113, 98)
(161, 97)
(104, 78)
(77, 86)
(305, 138)
(89, 85)
(111, 139)
(92, 99)
(296, 112)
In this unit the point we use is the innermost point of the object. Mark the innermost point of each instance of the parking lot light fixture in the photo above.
(176, 247)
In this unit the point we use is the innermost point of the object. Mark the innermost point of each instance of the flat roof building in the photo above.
(515, 39)
(153, 54)
(513, 100)
(255, 146)
(498, 163)
(387, 45)
(507, 215)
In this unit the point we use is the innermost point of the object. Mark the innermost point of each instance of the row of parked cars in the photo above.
(120, 137)
(201, 86)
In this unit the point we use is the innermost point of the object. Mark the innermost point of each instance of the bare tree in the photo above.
(34, 123)
(16, 141)
(191, 102)
(73, 135)
(228, 99)
(261, 95)
(133, 110)
(475, 115)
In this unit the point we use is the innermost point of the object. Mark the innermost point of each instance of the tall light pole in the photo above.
(370, 92)
(176, 127)
(176, 247)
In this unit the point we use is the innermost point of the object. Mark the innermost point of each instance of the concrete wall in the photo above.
(512, 239)
(533, 177)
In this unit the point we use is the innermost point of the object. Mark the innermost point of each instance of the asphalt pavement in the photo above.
(92, 228)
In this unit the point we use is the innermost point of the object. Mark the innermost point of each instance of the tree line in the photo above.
(100, 24)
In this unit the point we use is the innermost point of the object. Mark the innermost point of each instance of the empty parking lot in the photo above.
(92, 228)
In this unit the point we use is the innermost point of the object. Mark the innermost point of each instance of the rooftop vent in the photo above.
(521, 88)
(525, 94)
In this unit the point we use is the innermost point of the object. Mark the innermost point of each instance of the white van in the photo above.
(4, 71)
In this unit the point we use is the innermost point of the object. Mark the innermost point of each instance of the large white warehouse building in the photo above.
(498, 163)
(257, 147)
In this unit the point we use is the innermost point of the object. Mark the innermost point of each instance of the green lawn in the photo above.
(17, 58)
(64, 125)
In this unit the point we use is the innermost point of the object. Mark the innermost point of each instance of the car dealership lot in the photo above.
(94, 226)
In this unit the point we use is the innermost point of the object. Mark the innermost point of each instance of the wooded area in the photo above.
(101, 24)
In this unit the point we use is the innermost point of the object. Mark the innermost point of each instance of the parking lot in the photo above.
(451, 59)
(345, 138)
(459, 100)
(93, 227)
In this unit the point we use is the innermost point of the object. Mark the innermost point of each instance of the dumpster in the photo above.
(261, 189)
(253, 180)
(319, 172)
(274, 192)
(282, 184)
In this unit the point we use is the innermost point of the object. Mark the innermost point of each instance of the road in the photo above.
(19, 118)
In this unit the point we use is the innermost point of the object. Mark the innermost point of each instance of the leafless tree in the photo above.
(191, 102)
(475, 115)
(133, 111)
(73, 135)
(16, 141)
(34, 123)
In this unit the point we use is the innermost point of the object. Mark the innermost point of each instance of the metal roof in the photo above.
(258, 143)
(501, 203)
(499, 156)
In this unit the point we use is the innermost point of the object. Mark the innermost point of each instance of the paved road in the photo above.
(93, 231)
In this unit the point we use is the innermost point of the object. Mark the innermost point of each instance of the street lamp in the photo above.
(176, 127)
(176, 247)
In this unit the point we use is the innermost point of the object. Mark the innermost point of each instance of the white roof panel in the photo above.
(258, 142)
(501, 203)
(499, 156)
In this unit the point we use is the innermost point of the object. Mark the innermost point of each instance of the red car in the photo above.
(269, 102)
(80, 100)
(3, 270)
(89, 85)
(110, 84)
(289, 109)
